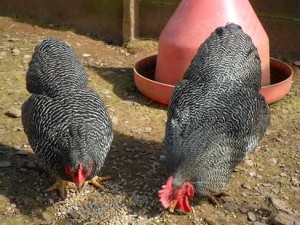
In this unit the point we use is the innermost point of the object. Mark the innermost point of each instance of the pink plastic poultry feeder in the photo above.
(190, 25)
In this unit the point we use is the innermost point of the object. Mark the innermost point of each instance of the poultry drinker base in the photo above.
(144, 70)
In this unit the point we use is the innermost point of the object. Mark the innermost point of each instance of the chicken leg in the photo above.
(96, 182)
(61, 186)
(214, 199)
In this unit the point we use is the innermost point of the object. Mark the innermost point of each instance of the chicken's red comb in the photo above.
(166, 192)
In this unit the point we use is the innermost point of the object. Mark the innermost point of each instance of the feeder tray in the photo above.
(144, 70)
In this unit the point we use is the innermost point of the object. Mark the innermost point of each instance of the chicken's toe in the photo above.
(61, 186)
(96, 182)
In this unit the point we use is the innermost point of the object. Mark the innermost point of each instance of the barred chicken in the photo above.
(216, 116)
(66, 123)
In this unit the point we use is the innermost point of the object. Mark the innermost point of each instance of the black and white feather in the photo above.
(216, 114)
(65, 121)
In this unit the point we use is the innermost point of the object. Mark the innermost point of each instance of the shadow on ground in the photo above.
(123, 85)
(20, 180)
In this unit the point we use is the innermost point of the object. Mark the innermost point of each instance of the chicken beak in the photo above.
(173, 206)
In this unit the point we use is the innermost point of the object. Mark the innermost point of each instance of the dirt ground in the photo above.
(267, 193)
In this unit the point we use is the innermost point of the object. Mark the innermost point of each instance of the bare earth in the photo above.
(267, 192)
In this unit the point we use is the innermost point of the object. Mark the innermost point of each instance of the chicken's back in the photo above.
(54, 68)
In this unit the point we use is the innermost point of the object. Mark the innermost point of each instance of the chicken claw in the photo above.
(61, 186)
(95, 181)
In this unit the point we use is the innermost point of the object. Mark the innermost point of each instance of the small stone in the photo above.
(297, 63)
(14, 113)
(16, 52)
(148, 129)
(275, 191)
(295, 181)
(46, 222)
(252, 173)
(85, 55)
(74, 214)
(162, 157)
(22, 153)
(258, 223)
(251, 216)
(246, 186)
(283, 219)
(46, 216)
(248, 163)
(108, 72)
(230, 206)
(30, 165)
(278, 204)
(273, 161)
(259, 176)
(27, 56)
(4, 164)
(115, 119)
(209, 222)
(283, 174)
(13, 39)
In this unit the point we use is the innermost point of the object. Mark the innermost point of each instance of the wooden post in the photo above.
(130, 19)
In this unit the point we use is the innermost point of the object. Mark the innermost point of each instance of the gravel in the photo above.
(108, 207)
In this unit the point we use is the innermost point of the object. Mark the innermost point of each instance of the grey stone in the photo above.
(278, 204)
(22, 153)
(108, 72)
(283, 219)
(74, 214)
(230, 206)
(5, 164)
(30, 165)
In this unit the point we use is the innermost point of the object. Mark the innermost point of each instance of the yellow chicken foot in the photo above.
(61, 186)
(95, 181)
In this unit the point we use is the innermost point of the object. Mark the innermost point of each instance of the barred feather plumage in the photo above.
(216, 114)
(65, 121)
